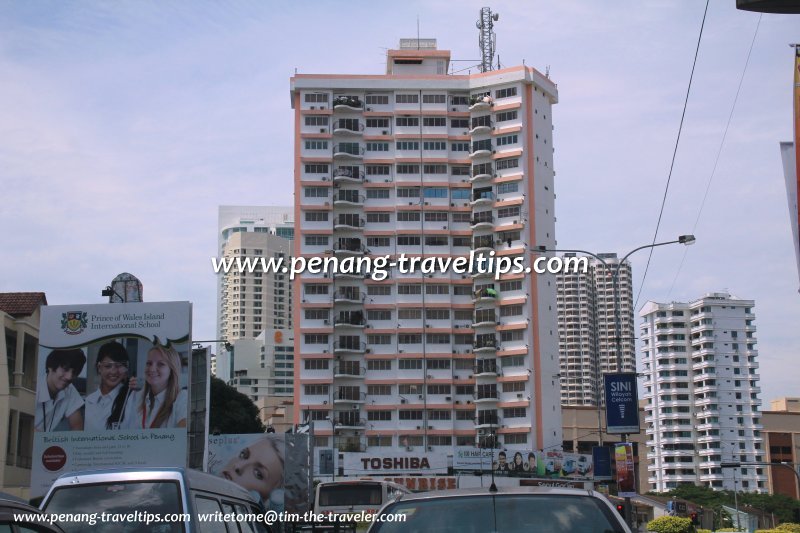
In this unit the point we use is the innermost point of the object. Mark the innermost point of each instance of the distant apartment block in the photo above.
(586, 331)
(702, 393)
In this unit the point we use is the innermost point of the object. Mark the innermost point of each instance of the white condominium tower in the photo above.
(702, 394)
(250, 302)
(422, 163)
(586, 332)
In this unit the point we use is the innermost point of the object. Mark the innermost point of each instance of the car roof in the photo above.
(484, 491)
(192, 478)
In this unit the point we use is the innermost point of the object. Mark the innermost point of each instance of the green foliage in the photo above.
(670, 524)
(232, 411)
(728, 529)
(699, 530)
(790, 527)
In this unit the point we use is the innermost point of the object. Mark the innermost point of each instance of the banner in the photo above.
(622, 403)
(112, 388)
(388, 463)
(602, 462)
(524, 463)
(626, 477)
(273, 467)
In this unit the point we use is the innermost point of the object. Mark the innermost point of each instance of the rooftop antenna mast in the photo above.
(487, 38)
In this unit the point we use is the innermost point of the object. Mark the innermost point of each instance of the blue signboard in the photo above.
(601, 457)
(622, 403)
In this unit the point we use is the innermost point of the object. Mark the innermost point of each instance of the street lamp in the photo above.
(333, 439)
(686, 240)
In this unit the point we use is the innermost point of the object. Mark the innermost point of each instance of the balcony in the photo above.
(349, 347)
(350, 297)
(348, 126)
(480, 102)
(486, 395)
(486, 420)
(348, 420)
(350, 320)
(349, 223)
(485, 294)
(348, 151)
(347, 370)
(482, 221)
(482, 172)
(480, 149)
(483, 245)
(346, 395)
(346, 103)
(484, 320)
(485, 368)
(485, 345)
(348, 175)
(482, 199)
(348, 198)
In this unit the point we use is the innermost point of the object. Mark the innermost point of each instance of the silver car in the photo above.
(507, 510)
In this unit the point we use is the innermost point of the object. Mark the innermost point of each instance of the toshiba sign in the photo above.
(393, 463)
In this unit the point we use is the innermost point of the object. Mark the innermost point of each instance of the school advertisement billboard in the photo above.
(524, 463)
(112, 388)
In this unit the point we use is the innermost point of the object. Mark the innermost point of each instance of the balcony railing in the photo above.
(350, 346)
(349, 370)
(481, 343)
(347, 395)
(352, 246)
(356, 319)
(348, 150)
(348, 101)
(348, 173)
(353, 126)
(349, 197)
(349, 296)
(353, 222)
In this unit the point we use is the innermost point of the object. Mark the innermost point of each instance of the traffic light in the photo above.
(621, 509)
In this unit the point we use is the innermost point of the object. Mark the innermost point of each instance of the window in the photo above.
(435, 169)
(460, 217)
(506, 139)
(435, 192)
(515, 438)
(434, 145)
(409, 289)
(506, 93)
(316, 121)
(316, 390)
(378, 170)
(377, 99)
(375, 194)
(409, 338)
(436, 216)
(407, 169)
(459, 123)
(377, 147)
(379, 364)
(504, 188)
(459, 147)
(409, 364)
(438, 364)
(408, 240)
(379, 242)
(377, 122)
(316, 338)
(514, 335)
(434, 99)
(438, 415)
(506, 116)
(316, 240)
(437, 338)
(378, 218)
(379, 290)
(436, 240)
(316, 145)
(316, 288)
(316, 216)
(316, 97)
(511, 310)
(434, 122)
(514, 386)
(379, 314)
(508, 212)
(407, 145)
(316, 169)
(406, 122)
(316, 364)
(437, 289)
(316, 314)
(379, 339)
(410, 314)
(379, 415)
(406, 98)
(437, 314)
(502, 164)
(460, 194)
(410, 415)
(515, 412)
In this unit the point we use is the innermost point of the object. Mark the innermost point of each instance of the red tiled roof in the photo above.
(18, 304)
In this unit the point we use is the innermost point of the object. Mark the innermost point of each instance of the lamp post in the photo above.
(332, 418)
(682, 239)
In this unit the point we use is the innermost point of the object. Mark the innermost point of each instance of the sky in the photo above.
(123, 125)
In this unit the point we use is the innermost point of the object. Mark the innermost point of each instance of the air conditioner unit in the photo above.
(430, 427)
(453, 108)
(323, 130)
(326, 322)
(369, 109)
(324, 178)
(324, 351)
(447, 398)
(452, 204)
(430, 448)
(385, 132)
(403, 400)
(324, 402)
(419, 427)
(327, 204)
(368, 350)
(519, 395)
(400, 351)
(410, 203)
(313, 107)
(458, 402)
(469, 377)
(469, 402)
(427, 203)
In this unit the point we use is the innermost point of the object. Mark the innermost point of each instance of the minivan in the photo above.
(159, 491)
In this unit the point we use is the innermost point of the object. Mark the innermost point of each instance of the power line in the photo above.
(719, 153)
(674, 154)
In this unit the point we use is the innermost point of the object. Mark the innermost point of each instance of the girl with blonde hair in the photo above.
(161, 403)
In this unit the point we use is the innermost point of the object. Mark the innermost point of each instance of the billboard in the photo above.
(602, 462)
(112, 388)
(626, 477)
(524, 463)
(387, 463)
(622, 403)
(273, 467)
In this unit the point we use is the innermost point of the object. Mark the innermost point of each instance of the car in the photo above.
(162, 492)
(503, 510)
(10, 521)
(568, 467)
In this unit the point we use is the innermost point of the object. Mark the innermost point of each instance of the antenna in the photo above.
(487, 38)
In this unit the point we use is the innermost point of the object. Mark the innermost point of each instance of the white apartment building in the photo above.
(264, 367)
(702, 394)
(251, 302)
(586, 330)
(419, 162)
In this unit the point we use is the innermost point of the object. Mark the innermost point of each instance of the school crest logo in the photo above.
(73, 322)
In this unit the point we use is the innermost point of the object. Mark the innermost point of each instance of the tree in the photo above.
(231, 411)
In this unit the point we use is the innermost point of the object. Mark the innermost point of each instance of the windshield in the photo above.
(347, 495)
(502, 513)
(118, 499)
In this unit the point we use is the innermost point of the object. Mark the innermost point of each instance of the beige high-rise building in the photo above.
(251, 302)
(587, 336)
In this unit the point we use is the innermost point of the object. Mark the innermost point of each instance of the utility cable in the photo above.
(674, 154)
(719, 153)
